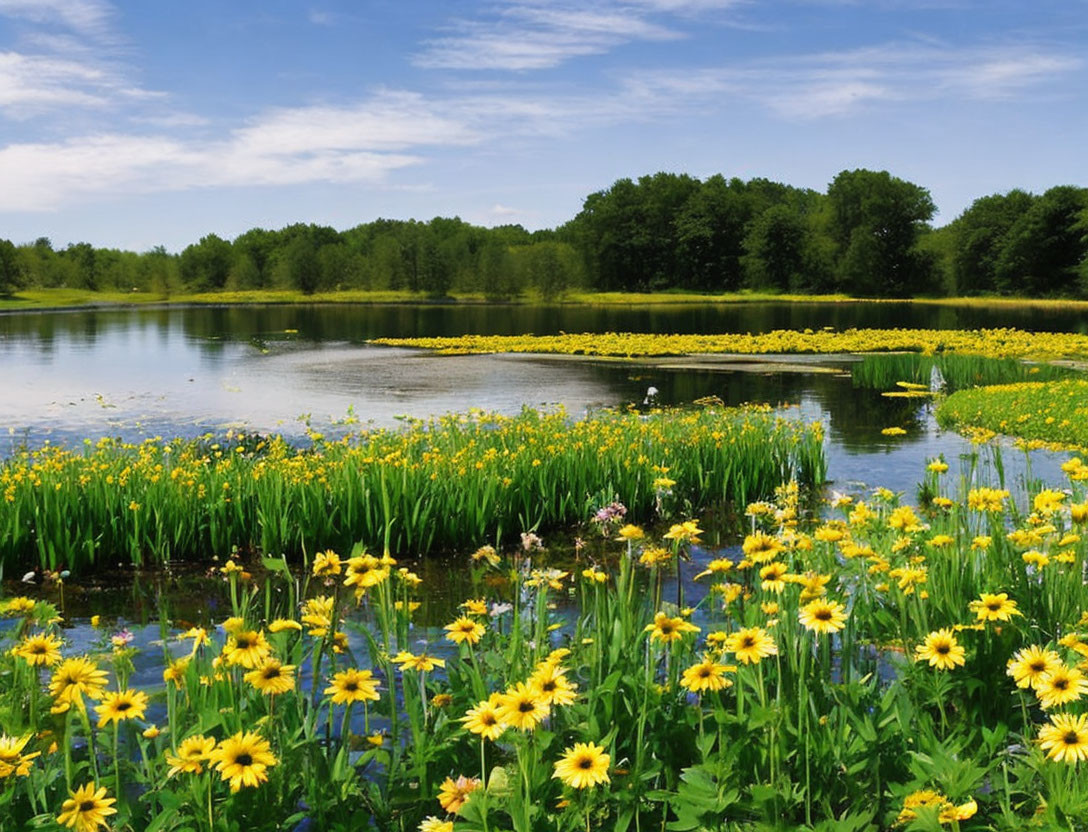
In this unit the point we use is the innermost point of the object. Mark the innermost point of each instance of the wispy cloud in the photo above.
(535, 34)
(838, 83)
(89, 17)
(66, 56)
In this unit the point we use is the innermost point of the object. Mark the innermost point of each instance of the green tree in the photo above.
(205, 266)
(11, 272)
(876, 220)
(980, 234)
(1044, 248)
(777, 251)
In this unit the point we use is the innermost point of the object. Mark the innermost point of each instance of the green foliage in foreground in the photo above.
(849, 675)
(1054, 412)
(449, 483)
(883, 372)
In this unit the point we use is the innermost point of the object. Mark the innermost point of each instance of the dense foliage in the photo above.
(882, 666)
(454, 482)
(1050, 412)
(868, 235)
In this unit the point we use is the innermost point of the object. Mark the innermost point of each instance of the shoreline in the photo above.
(67, 300)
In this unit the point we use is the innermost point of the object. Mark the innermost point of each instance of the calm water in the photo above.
(138, 373)
(183, 371)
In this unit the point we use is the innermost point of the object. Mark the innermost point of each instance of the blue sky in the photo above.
(140, 122)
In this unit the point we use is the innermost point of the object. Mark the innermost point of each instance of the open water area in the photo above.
(138, 373)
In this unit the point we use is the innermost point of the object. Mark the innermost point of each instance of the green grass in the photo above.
(455, 482)
(882, 372)
(1052, 412)
(29, 299)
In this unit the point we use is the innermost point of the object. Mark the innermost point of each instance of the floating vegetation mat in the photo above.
(1011, 343)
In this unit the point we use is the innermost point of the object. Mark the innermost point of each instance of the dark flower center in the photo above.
(548, 686)
(1071, 738)
(585, 763)
(747, 641)
(88, 806)
(1038, 666)
(1060, 684)
(351, 687)
(488, 719)
(123, 706)
(526, 707)
(243, 760)
(243, 644)
(272, 673)
(943, 649)
(993, 606)
(704, 672)
(823, 615)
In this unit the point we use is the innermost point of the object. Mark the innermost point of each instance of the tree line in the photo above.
(869, 235)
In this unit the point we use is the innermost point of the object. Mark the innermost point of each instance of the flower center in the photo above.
(1071, 738)
(526, 707)
(123, 706)
(88, 806)
(243, 760)
(585, 763)
(823, 615)
(943, 649)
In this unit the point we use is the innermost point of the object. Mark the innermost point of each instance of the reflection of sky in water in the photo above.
(182, 372)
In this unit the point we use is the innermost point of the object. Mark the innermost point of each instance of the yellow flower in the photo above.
(686, 532)
(964, 811)
(421, 663)
(249, 648)
(937, 466)
(583, 765)
(365, 571)
(981, 542)
(655, 556)
(484, 719)
(1030, 665)
(475, 607)
(282, 624)
(715, 567)
(631, 533)
(453, 794)
(151, 732)
(243, 760)
(994, 607)
(353, 685)
(668, 630)
(465, 629)
(822, 616)
(894, 431)
(326, 564)
(552, 686)
(272, 677)
(986, 499)
(175, 671)
(12, 759)
(86, 809)
(73, 679)
(21, 606)
(433, 824)
(522, 707)
(39, 650)
(192, 752)
(706, 675)
(1060, 687)
(760, 547)
(751, 645)
(486, 554)
(773, 575)
(595, 575)
(1048, 501)
(941, 650)
(124, 704)
(1066, 738)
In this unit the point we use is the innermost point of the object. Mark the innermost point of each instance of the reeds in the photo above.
(449, 483)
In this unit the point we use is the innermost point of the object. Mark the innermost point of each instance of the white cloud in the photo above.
(540, 34)
(838, 83)
(90, 17)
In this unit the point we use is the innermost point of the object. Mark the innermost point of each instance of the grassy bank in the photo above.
(886, 667)
(41, 299)
(1053, 412)
(1001, 343)
(454, 482)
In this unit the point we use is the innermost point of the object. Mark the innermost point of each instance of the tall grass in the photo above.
(849, 720)
(881, 372)
(452, 482)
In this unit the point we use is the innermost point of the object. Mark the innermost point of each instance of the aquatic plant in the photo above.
(441, 484)
(997, 343)
(878, 666)
(957, 371)
(1042, 414)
